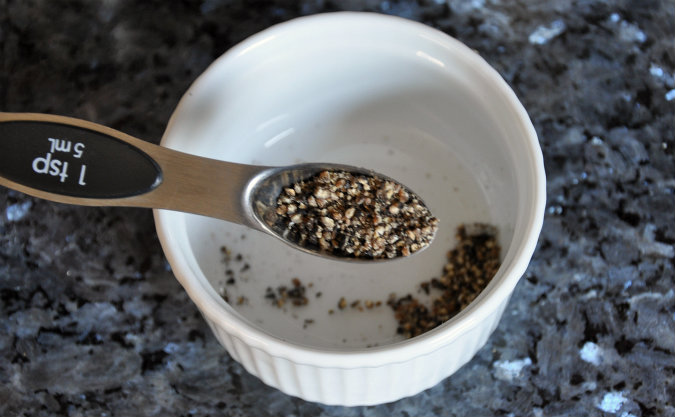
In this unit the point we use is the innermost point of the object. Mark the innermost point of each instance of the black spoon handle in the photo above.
(73, 161)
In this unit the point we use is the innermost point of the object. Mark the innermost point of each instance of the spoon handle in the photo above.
(73, 161)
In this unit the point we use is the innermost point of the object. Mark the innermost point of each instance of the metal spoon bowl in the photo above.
(73, 161)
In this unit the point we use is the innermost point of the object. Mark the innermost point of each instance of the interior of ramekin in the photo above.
(510, 170)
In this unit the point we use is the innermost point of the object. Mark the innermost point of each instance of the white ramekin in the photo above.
(357, 74)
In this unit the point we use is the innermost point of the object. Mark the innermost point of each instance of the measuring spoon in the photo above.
(73, 161)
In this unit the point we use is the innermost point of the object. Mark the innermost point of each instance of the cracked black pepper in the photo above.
(296, 294)
(355, 215)
(468, 270)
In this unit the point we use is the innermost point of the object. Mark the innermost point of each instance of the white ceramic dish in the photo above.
(371, 90)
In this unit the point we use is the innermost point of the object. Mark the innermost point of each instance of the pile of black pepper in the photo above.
(470, 267)
(354, 215)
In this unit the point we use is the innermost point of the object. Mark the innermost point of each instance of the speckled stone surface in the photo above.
(92, 322)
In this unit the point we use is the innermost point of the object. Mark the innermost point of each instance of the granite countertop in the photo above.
(92, 322)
